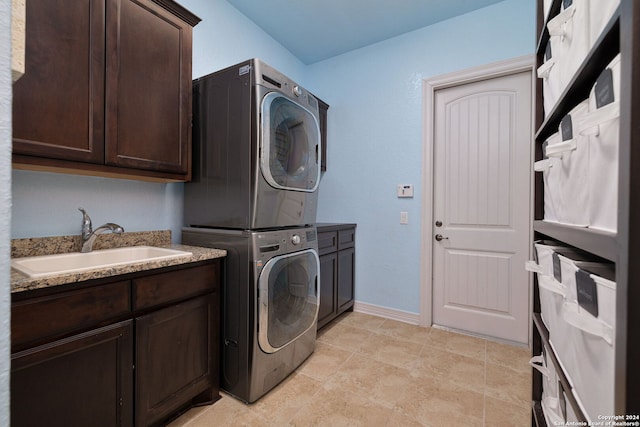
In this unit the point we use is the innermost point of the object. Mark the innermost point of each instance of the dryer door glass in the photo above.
(290, 141)
(288, 298)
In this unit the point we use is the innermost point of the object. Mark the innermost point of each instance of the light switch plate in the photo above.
(404, 217)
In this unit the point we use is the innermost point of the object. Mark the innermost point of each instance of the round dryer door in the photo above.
(290, 141)
(288, 298)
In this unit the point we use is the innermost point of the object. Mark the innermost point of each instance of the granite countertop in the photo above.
(67, 244)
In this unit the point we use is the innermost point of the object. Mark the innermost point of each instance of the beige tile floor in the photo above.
(370, 371)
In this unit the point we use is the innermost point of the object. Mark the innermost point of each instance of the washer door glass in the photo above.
(288, 298)
(290, 141)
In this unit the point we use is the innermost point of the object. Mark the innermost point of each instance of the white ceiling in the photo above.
(314, 30)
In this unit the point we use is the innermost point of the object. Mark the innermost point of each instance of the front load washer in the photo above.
(270, 304)
(256, 150)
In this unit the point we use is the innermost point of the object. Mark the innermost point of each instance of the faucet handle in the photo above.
(87, 228)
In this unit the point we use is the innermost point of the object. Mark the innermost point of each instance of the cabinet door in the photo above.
(148, 113)
(58, 105)
(175, 355)
(328, 279)
(324, 112)
(84, 380)
(346, 266)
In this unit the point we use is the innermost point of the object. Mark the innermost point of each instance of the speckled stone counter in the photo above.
(67, 244)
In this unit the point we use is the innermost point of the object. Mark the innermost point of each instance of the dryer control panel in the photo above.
(268, 244)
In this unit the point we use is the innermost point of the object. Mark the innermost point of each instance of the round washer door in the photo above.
(288, 298)
(290, 141)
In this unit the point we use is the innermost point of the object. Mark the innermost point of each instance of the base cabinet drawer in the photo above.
(34, 320)
(178, 285)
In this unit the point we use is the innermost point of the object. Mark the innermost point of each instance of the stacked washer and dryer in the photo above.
(256, 169)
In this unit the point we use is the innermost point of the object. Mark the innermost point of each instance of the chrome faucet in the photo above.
(89, 235)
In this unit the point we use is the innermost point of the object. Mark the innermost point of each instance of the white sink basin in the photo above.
(39, 266)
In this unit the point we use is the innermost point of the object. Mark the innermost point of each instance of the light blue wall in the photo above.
(46, 204)
(375, 136)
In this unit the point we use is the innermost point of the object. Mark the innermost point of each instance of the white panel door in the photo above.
(481, 206)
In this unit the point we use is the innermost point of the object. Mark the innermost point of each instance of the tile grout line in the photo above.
(323, 382)
(484, 388)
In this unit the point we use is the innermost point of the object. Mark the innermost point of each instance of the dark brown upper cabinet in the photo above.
(107, 89)
(324, 110)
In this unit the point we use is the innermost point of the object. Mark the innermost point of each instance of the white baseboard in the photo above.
(387, 313)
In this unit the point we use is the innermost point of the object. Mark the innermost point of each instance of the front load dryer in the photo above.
(256, 150)
(269, 304)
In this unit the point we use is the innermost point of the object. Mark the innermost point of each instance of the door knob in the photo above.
(440, 237)
(438, 223)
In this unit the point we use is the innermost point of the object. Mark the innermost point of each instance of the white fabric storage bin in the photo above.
(587, 353)
(590, 366)
(571, 415)
(569, 31)
(573, 178)
(570, 266)
(552, 412)
(543, 263)
(565, 264)
(547, 262)
(546, 8)
(552, 297)
(552, 399)
(551, 291)
(602, 126)
(552, 85)
(550, 168)
(589, 285)
(542, 363)
(600, 13)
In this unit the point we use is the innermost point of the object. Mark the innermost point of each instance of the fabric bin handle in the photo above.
(556, 26)
(533, 266)
(559, 149)
(537, 363)
(545, 69)
(592, 121)
(541, 166)
(577, 318)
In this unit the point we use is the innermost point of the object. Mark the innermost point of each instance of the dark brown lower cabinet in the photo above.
(130, 350)
(84, 380)
(336, 247)
(174, 354)
(328, 280)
